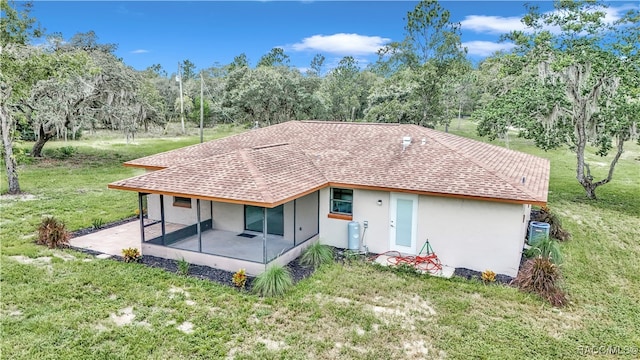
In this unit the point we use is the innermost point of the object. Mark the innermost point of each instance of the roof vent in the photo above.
(424, 141)
(406, 141)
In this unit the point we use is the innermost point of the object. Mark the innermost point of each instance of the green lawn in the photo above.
(65, 304)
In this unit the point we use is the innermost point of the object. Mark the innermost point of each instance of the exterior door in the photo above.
(403, 222)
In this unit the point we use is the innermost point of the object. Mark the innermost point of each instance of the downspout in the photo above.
(295, 231)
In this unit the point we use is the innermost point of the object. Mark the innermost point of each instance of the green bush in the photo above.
(546, 248)
(97, 223)
(61, 153)
(541, 276)
(316, 255)
(52, 233)
(183, 267)
(275, 281)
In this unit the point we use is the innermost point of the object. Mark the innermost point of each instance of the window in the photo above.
(182, 202)
(341, 201)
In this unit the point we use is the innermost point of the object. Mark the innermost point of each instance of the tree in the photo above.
(431, 50)
(315, 68)
(340, 90)
(188, 70)
(16, 29)
(103, 93)
(275, 57)
(580, 84)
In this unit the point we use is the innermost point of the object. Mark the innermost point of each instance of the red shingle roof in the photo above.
(272, 165)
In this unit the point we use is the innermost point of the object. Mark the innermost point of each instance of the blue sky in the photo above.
(213, 32)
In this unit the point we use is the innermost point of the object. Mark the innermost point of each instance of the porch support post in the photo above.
(264, 236)
(295, 228)
(164, 231)
(198, 225)
(141, 215)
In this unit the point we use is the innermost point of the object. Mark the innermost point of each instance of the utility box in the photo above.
(354, 236)
(538, 231)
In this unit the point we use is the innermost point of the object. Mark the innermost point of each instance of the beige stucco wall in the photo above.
(334, 232)
(477, 235)
(287, 212)
(306, 217)
(177, 214)
(228, 217)
(473, 234)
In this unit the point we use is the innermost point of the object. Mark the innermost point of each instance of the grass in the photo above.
(67, 306)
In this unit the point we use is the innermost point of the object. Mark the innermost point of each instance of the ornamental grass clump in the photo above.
(541, 276)
(315, 255)
(545, 248)
(275, 281)
(52, 233)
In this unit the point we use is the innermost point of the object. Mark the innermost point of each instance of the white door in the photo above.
(403, 222)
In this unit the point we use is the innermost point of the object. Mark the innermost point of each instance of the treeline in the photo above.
(571, 79)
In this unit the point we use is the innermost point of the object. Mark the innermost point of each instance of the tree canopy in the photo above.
(575, 80)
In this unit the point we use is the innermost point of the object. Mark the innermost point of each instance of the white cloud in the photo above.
(341, 44)
(140, 51)
(491, 24)
(497, 25)
(486, 48)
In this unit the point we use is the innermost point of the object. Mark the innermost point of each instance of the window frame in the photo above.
(181, 201)
(333, 198)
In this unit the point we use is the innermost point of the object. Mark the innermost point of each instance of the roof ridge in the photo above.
(257, 176)
(483, 166)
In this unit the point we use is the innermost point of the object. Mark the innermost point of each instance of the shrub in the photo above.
(488, 276)
(546, 248)
(541, 276)
(275, 281)
(316, 255)
(61, 153)
(183, 267)
(240, 278)
(52, 233)
(97, 223)
(555, 224)
(131, 255)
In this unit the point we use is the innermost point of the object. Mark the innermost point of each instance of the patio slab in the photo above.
(112, 240)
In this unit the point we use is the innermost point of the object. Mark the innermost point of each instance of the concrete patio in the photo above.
(110, 241)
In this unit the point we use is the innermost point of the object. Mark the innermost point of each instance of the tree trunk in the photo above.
(9, 159)
(43, 137)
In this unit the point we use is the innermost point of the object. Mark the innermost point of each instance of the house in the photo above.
(263, 196)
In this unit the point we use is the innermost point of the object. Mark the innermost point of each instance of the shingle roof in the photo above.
(272, 165)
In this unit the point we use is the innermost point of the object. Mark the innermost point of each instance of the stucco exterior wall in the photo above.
(334, 232)
(306, 217)
(287, 213)
(229, 217)
(477, 235)
(177, 214)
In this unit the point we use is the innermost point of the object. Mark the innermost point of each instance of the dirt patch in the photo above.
(18, 197)
(65, 257)
(271, 344)
(43, 260)
(186, 327)
(123, 317)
